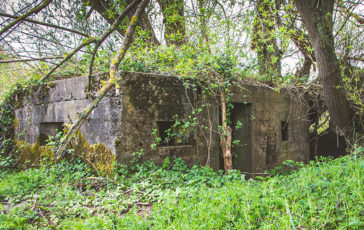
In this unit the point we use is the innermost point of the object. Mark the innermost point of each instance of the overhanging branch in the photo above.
(46, 24)
(24, 16)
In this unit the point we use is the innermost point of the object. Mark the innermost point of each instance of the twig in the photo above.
(35, 202)
(350, 58)
(128, 191)
(197, 120)
(97, 178)
(255, 173)
(143, 204)
(208, 161)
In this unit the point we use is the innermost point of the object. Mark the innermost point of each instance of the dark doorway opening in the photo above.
(241, 123)
(284, 130)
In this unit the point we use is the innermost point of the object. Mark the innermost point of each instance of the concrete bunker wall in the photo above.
(39, 118)
(155, 102)
(277, 124)
(274, 125)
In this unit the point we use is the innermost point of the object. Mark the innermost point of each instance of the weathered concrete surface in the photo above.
(148, 99)
(124, 123)
(269, 110)
(101, 126)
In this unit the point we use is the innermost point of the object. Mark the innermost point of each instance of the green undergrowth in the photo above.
(325, 194)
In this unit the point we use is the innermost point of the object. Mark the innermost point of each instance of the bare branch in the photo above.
(350, 58)
(24, 16)
(70, 54)
(46, 24)
(41, 37)
(29, 59)
(93, 39)
(347, 12)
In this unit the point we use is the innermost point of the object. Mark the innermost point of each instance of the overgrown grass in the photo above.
(321, 195)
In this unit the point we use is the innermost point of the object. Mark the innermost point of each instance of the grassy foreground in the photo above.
(321, 195)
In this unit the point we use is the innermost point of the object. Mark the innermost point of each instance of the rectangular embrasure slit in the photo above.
(47, 129)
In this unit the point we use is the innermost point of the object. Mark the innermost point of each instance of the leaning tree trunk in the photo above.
(112, 80)
(317, 18)
(225, 134)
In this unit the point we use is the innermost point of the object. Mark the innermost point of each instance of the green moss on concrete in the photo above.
(31, 155)
(100, 158)
(97, 156)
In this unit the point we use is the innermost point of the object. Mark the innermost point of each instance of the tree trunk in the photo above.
(225, 135)
(264, 41)
(112, 80)
(203, 19)
(104, 6)
(144, 24)
(175, 26)
(317, 18)
(305, 69)
(299, 38)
